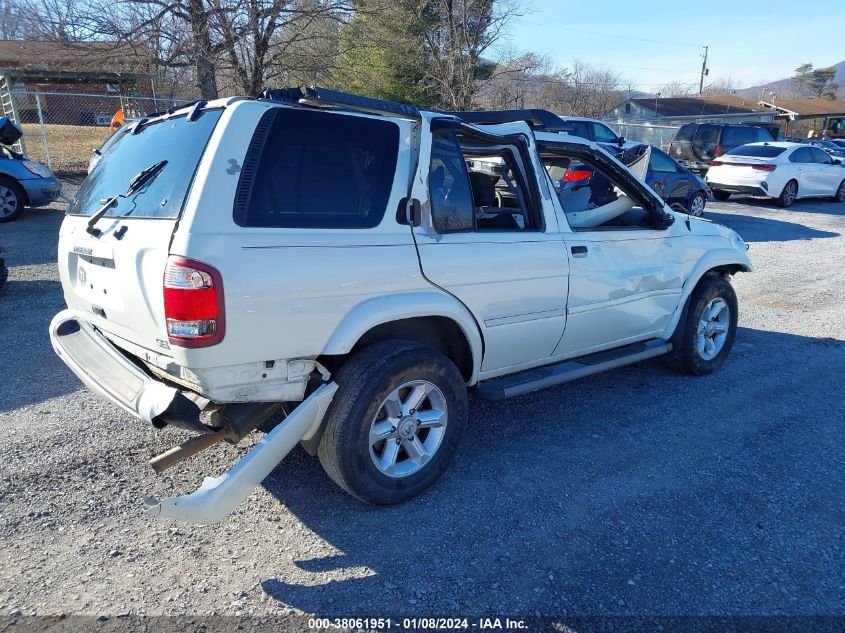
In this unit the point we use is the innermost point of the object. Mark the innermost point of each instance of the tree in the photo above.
(11, 26)
(381, 53)
(802, 76)
(677, 89)
(822, 83)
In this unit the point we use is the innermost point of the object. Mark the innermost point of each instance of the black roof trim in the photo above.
(536, 118)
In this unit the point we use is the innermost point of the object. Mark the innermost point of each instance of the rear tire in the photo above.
(12, 199)
(839, 196)
(379, 387)
(720, 195)
(696, 205)
(789, 194)
(705, 338)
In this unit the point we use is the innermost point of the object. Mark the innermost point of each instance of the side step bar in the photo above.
(550, 375)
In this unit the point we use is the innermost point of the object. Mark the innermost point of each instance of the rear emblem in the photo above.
(81, 276)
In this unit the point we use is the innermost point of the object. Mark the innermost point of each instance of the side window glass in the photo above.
(661, 162)
(800, 155)
(591, 198)
(604, 134)
(448, 186)
(581, 128)
(820, 156)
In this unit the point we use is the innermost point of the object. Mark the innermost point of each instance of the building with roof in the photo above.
(60, 69)
(680, 110)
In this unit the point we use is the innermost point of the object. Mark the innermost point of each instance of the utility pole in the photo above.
(704, 71)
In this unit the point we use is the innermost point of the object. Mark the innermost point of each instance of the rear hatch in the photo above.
(115, 275)
(695, 143)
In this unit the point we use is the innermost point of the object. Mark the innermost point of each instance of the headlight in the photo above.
(38, 169)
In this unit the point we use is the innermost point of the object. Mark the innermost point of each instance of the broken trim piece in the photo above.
(218, 496)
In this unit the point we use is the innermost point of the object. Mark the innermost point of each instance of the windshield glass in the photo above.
(179, 142)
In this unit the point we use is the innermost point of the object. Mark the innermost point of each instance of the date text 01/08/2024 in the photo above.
(387, 624)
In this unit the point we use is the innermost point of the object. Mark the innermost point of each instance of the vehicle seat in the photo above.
(484, 199)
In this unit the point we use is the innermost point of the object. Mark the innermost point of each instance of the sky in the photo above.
(750, 42)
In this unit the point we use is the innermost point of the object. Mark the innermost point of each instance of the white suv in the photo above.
(336, 259)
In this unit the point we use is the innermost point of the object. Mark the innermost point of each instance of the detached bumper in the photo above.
(105, 371)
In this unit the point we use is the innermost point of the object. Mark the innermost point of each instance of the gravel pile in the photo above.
(638, 491)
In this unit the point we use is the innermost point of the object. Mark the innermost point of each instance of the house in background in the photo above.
(680, 110)
(61, 72)
(788, 116)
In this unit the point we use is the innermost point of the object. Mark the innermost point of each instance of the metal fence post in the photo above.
(43, 130)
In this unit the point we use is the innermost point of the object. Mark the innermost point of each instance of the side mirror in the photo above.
(837, 161)
(664, 220)
(621, 141)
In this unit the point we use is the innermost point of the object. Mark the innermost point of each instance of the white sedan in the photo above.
(785, 171)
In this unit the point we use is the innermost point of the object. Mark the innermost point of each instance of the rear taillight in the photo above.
(764, 167)
(577, 175)
(193, 303)
(719, 151)
(716, 163)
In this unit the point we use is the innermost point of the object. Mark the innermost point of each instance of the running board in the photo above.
(550, 375)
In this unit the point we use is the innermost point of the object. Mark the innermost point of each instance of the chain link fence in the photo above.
(648, 133)
(61, 129)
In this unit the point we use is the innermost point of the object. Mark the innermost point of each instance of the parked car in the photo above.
(681, 189)
(784, 171)
(597, 132)
(830, 147)
(23, 182)
(334, 259)
(696, 144)
(838, 142)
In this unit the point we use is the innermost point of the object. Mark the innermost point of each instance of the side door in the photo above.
(666, 179)
(826, 176)
(626, 268)
(489, 236)
(802, 161)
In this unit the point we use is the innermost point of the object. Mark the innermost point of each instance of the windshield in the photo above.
(176, 140)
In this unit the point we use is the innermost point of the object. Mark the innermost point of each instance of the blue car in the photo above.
(584, 187)
(23, 182)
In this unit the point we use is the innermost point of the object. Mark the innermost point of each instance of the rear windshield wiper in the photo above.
(139, 180)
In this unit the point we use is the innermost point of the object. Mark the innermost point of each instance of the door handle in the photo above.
(579, 251)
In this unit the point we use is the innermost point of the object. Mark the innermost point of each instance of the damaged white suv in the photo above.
(355, 265)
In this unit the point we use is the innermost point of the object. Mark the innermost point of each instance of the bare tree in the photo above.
(11, 25)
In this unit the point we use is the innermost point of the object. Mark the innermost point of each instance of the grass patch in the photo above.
(70, 146)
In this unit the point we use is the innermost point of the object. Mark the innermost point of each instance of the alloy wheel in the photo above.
(697, 206)
(712, 329)
(789, 193)
(8, 201)
(408, 428)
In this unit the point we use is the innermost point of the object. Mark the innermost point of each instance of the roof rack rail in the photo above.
(326, 97)
(536, 118)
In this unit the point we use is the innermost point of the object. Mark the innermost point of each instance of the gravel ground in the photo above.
(635, 492)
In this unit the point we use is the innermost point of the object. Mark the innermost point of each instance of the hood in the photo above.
(703, 226)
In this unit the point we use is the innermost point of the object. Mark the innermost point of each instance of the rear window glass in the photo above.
(757, 151)
(707, 134)
(319, 170)
(179, 142)
(686, 132)
(738, 135)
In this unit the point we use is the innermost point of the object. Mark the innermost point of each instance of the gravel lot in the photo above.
(634, 492)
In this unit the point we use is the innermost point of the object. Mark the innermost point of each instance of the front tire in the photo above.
(705, 338)
(789, 194)
(720, 195)
(395, 422)
(11, 200)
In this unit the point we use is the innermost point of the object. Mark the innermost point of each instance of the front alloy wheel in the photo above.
(10, 203)
(713, 328)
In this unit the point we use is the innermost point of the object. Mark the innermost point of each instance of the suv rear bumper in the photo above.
(105, 370)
